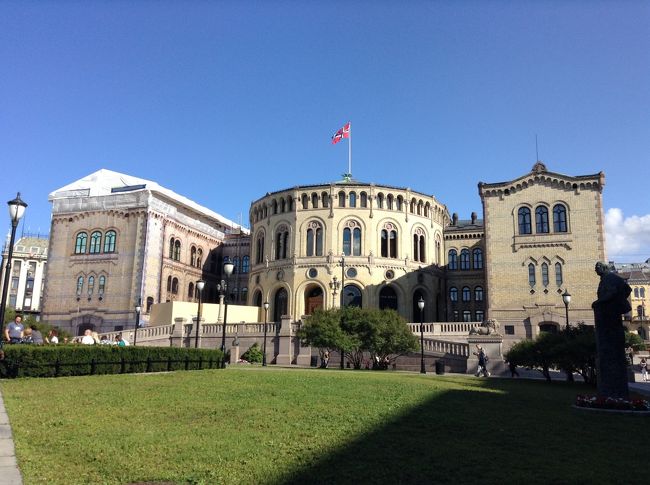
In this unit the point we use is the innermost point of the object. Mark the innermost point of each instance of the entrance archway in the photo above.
(387, 299)
(257, 298)
(313, 299)
(352, 296)
(280, 304)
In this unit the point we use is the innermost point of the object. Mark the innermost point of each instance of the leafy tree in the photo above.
(253, 354)
(323, 330)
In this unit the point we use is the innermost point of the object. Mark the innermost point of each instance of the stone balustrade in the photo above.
(444, 329)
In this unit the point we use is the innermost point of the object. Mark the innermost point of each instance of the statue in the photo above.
(488, 327)
(612, 302)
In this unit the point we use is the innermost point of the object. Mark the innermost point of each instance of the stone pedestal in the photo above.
(234, 354)
(176, 339)
(611, 363)
(284, 337)
(492, 345)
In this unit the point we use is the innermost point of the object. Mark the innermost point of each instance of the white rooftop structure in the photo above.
(107, 182)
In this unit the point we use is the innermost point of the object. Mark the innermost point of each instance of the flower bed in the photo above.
(595, 402)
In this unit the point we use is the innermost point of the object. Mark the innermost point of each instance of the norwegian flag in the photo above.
(342, 133)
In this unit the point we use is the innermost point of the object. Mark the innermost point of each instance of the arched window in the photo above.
(353, 199)
(95, 242)
(352, 296)
(81, 242)
(305, 201)
(175, 286)
(438, 251)
(190, 290)
(244, 294)
(283, 205)
(314, 200)
(91, 285)
(478, 258)
(478, 293)
(80, 285)
(102, 286)
(389, 241)
(192, 256)
(199, 258)
(636, 293)
(171, 248)
(149, 304)
(109, 241)
(642, 292)
(388, 299)
(479, 315)
(426, 209)
(464, 259)
(541, 219)
(363, 199)
(389, 202)
(531, 274)
(467, 316)
(559, 218)
(524, 221)
(341, 199)
(420, 206)
(257, 298)
(177, 250)
(290, 203)
(453, 259)
(314, 239)
(419, 244)
(325, 198)
(467, 294)
(544, 274)
(275, 207)
(412, 206)
(380, 200)
(235, 262)
(280, 304)
(245, 264)
(558, 274)
(453, 293)
(281, 242)
(400, 202)
(169, 283)
(259, 248)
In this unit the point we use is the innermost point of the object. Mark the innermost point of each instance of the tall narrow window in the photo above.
(326, 199)
(353, 199)
(283, 205)
(478, 258)
(559, 218)
(319, 241)
(171, 248)
(389, 202)
(102, 286)
(175, 286)
(467, 316)
(545, 274)
(363, 199)
(389, 234)
(541, 219)
(347, 241)
(636, 293)
(109, 241)
(412, 206)
(478, 293)
(464, 259)
(314, 200)
(642, 292)
(235, 262)
(190, 291)
(453, 293)
(479, 315)
(281, 242)
(80, 285)
(275, 207)
(400, 201)
(245, 264)
(531, 274)
(305, 204)
(95, 242)
(81, 242)
(453, 259)
(419, 245)
(259, 248)
(380, 200)
(558, 274)
(341, 199)
(199, 258)
(91, 285)
(193, 256)
(177, 250)
(310, 241)
(524, 221)
(352, 239)
(356, 242)
(467, 295)
(169, 283)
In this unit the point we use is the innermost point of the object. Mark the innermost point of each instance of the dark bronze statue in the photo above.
(612, 302)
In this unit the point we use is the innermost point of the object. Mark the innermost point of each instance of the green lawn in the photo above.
(253, 425)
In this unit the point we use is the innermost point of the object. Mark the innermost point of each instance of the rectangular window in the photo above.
(14, 283)
(467, 316)
(509, 329)
(456, 315)
(479, 315)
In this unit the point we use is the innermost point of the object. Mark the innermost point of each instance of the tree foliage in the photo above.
(357, 331)
(253, 354)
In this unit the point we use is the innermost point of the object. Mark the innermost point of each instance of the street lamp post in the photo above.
(199, 287)
(342, 298)
(228, 268)
(16, 211)
(421, 307)
(566, 298)
(138, 309)
(266, 312)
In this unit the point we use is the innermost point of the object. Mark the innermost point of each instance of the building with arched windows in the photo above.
(387, 247)
(118, 240)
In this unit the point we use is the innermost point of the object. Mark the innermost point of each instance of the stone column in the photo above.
(284, 337)
(176, 338)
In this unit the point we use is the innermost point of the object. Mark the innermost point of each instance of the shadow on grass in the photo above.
(497, 431)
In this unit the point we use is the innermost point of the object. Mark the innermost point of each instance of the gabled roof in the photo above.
(107, 182)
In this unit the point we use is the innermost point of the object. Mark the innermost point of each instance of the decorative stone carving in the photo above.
(488, 327)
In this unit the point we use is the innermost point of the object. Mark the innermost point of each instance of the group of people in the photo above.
(92, 338)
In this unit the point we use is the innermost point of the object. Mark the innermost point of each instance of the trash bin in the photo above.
(440, 367)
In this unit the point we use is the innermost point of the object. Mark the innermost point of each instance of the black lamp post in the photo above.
(199, 287)
(138, 309)
(266, 312)
(228, 268)
(342, 298)
(566, 298)
(421, 307)
(16, 211)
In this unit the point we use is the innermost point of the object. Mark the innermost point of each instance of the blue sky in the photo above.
(225, 101)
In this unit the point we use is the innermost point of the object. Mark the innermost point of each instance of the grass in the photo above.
(275, 426)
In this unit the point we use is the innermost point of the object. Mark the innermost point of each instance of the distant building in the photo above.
(117, 240)
(637, 276)
(28, 263)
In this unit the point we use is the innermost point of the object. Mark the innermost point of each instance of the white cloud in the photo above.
(628, 238)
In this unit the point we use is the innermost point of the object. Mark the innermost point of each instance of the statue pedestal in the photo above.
(284, 351)
(492, 345)
(611, 364)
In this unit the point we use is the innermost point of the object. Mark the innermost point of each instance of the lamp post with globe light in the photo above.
(228, 268)
(16, 211)
(566, 298)
(199, 288)
(266, 312)
(421, 307)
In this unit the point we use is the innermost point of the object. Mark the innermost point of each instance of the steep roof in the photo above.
(107, 182)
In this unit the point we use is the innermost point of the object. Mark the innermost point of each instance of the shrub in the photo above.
(253, 354)
(75, 360)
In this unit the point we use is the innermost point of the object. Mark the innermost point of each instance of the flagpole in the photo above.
(350, 152)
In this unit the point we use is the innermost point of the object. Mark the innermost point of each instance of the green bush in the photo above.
(253, 354)
(76, 360)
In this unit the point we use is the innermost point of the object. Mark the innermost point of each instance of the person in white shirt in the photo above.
(88, 339)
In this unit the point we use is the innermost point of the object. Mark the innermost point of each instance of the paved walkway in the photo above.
(9, 472)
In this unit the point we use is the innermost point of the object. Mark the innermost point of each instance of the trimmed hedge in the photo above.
(80, 360)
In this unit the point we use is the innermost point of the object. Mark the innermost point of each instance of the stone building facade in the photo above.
(543, 235)
(117, 241)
